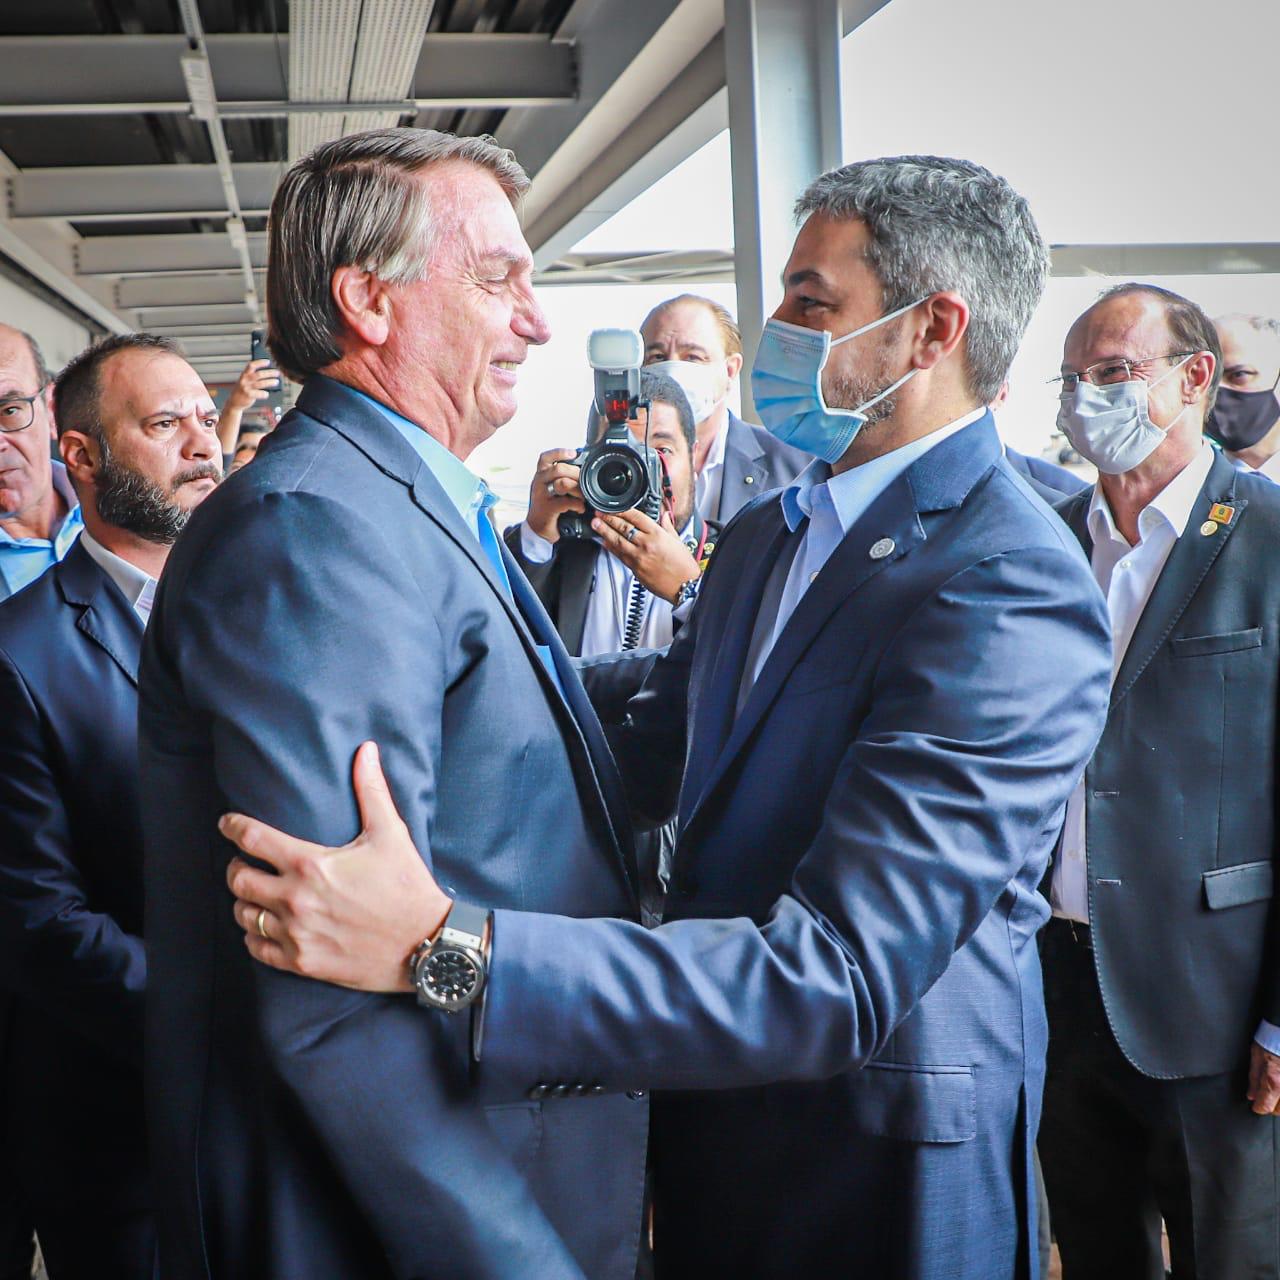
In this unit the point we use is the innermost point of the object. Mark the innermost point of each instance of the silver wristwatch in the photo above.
(686, 591)
(449, 971)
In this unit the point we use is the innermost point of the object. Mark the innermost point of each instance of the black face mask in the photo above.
(1241, 418)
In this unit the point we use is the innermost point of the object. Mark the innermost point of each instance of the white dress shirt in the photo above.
(136, 585)
(710, 480)
(1127, 576)
(606, 620)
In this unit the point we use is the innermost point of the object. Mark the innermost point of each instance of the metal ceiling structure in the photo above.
(141, 140)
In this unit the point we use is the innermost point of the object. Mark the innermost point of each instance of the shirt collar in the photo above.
(715, 455)
(1171, 507)
(463, 487)
(853, 491)
(136, 585)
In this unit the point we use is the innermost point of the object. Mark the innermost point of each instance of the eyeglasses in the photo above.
(17, 413)
(1106, 372)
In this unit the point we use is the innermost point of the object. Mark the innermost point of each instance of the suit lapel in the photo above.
(369, 431)
(1189, 562)
(938, 481)
(582, 717)
(746, 469)
(106, 617)
(730, 646)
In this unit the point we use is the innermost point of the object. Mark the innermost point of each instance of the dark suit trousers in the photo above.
(1122, 1150)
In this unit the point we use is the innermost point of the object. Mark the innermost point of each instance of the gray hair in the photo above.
(354, 202)
(659, 388)
(937, 224)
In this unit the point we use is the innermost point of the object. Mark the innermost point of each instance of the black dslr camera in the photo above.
(615, 473)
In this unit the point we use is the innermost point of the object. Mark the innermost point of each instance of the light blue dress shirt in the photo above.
(23, 560)
(829, 506)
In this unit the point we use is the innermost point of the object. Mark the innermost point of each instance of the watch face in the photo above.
(451, 975)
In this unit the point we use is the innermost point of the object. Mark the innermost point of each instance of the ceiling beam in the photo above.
(56, 75)
(164, 255)
(134, 292)
(1164, 259)
(98, 193)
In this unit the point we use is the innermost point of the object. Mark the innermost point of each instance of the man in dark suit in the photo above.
(895, 671)
(697, 342)
(137, 433)
(349, 585)
(1160, 962)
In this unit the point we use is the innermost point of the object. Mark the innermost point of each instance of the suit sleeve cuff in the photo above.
(533, 546)
(1268, 1036)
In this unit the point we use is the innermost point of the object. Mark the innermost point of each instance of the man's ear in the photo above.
(939, 325)
(47, 400)
(82, 456)
(1199, 373)
(734, 365)
(363, 304)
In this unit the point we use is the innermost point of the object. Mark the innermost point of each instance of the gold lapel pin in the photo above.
(1220, 513)
(1209, 528)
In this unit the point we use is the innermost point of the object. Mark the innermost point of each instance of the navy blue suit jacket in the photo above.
(1049, 480)
(867, 837)
(327, 594)
(71, 887)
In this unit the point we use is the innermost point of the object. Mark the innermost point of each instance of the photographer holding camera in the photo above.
(630, 567)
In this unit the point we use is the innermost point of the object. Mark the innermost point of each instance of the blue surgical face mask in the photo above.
(1110, 425)
(699, 382)
(786, 385)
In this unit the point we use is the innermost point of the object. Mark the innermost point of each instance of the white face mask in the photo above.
(1110, 425)
(700, 383)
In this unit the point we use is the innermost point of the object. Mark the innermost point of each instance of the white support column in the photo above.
(782, 66)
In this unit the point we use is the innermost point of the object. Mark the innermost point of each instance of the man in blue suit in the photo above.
(137, 430)
(872, 721)
(350, 585)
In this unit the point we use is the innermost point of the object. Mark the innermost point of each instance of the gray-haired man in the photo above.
(871, 723)
(301, 1130)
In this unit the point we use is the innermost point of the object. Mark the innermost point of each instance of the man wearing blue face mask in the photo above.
(1160, 962)
(869, 725)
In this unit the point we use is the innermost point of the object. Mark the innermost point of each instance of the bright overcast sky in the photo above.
(1122, 121)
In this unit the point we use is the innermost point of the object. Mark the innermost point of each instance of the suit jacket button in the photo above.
(580, 1090)
(538, 1092)
(596, 1090)
(636, 1095)
(562, 1091)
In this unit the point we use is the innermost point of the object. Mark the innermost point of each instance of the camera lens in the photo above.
(614, 478)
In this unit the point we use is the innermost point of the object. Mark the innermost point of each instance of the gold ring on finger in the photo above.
(262, 923)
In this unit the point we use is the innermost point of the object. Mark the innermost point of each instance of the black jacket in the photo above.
(71, 886)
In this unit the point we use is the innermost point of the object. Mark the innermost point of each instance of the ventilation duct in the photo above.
(351, 51)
